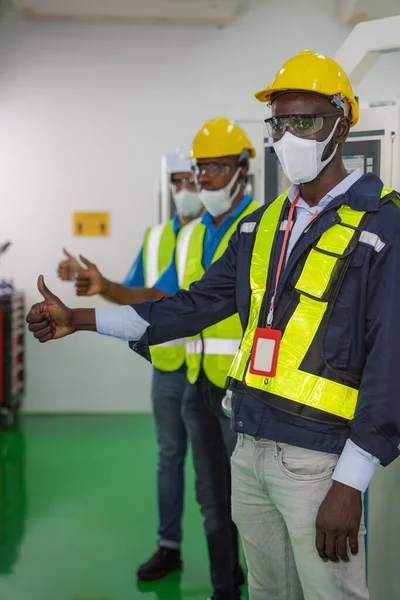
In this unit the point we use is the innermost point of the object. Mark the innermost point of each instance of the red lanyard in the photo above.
(313, 216)
(282, 258)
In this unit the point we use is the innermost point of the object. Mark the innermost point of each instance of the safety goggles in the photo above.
(298, 125)
(213, 169)
(184, 182)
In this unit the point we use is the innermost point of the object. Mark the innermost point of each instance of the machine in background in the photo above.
(12, 351)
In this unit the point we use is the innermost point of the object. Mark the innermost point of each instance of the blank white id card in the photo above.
(264, 356)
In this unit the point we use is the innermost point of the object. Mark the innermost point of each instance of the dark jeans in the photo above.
(213, 442)
(167, 396)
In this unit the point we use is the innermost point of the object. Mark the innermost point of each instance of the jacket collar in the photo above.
(363, 195)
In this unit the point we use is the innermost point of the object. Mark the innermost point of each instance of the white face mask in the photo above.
(218, 202)
(301, 158)
(188, 204)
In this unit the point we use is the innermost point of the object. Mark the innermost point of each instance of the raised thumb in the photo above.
(43, 289)
(85, 261)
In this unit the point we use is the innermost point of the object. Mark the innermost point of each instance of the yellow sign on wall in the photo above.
(92, 224)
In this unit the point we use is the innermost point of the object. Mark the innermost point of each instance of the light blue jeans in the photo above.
(277, 490)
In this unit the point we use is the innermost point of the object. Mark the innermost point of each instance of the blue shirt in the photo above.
(135, 276)
(168, 281)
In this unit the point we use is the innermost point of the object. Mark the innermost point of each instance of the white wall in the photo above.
(382, 82)
(86, 110)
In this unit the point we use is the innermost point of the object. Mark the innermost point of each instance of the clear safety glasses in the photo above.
(188, 183)
(298, 125)
(213, 169)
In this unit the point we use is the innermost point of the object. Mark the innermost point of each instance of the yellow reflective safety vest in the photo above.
(296, 389)
(214, 349)
(158, 248)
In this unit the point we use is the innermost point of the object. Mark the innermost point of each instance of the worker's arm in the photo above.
(120, 294)
(375, 429)
(186, 313)
(51, 319)
(132, 290)
(90, 282)
(376, 425)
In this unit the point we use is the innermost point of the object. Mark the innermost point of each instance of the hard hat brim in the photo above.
(262, 95)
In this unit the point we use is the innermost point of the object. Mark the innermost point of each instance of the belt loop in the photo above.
(276, 451)
(240, 439)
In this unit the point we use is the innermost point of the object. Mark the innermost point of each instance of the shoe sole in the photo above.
(160, 574)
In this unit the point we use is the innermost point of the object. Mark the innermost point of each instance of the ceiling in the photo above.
(217, 13)
(356, 11)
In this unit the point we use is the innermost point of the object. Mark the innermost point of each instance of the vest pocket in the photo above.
(344, 320)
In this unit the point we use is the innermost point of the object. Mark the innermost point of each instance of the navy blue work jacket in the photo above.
(363, 335)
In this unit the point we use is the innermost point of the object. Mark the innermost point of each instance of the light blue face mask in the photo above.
(218, 202)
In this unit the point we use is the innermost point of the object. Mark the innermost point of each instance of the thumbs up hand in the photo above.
(68, 268)
(90, 281)
(49, 319)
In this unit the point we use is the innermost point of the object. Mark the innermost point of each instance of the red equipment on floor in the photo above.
(12, 358)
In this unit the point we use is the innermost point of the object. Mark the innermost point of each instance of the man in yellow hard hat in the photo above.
(314, 277)
(222, 152)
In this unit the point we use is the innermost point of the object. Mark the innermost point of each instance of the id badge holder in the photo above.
(264, 356)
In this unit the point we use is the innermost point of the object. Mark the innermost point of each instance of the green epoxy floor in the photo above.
(78, 512)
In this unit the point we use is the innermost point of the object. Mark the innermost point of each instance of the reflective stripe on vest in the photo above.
(212, 346)
(158, 250)
(182, 248)
(153, 250)
(215, 348)
(301, 387)
(170, 344)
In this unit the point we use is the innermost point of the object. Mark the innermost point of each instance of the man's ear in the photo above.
(244, 161)
(244, 171)
(342, 130)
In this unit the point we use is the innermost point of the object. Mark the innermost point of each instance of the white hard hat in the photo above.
(179, 161)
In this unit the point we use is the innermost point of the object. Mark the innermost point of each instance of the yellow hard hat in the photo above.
(220, 137)
(312, 72)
